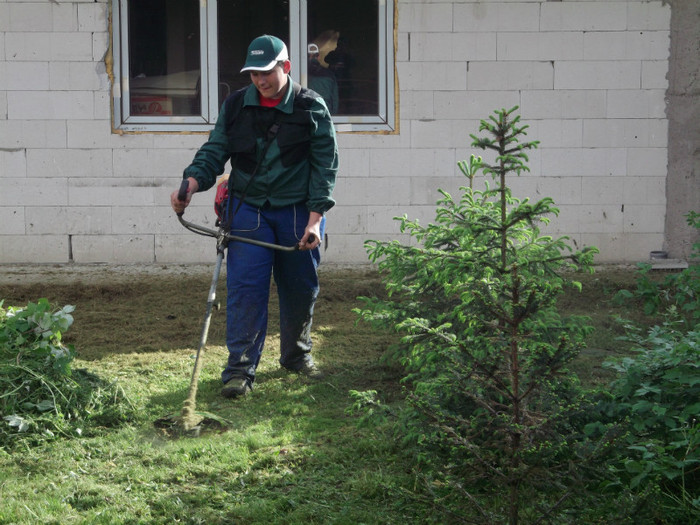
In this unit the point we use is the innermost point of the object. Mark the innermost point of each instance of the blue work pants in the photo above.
(249, 269)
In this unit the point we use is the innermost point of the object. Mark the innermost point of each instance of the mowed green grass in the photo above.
(294, 451)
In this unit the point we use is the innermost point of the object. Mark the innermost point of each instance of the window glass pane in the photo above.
(164, 57)
(346, 35)
(240, 21)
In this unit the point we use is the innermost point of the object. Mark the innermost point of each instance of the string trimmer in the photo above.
(190, 421)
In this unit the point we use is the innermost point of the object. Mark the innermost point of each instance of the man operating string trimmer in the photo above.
(284, 159)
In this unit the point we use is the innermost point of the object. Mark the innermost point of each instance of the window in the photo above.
(175, 61)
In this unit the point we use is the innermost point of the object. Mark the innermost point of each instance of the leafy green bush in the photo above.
(657, 392)
(484, 347)
(677, 294)
(42, 397)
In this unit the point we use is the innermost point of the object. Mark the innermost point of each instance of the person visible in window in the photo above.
(341, 62)
(322, 80)
(282, 146)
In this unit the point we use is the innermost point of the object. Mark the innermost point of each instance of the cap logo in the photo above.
(257, 52)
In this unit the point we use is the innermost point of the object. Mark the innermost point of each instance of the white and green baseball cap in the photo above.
(264, 53)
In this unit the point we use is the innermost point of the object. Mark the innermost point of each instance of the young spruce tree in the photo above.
(484, 348)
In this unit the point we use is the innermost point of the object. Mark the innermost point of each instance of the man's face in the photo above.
(273, 83)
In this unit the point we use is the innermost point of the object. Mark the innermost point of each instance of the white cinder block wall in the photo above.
(589, 77)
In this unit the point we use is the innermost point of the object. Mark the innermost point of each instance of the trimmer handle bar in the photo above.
(203, 230)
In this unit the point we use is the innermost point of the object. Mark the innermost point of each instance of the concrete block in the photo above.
(472, 105)
(583, 16)
(30, 17)
(161, 161)
(612, 74)
(452, 47)
(616, 133)
(417, 105)
(383, 220)
(27, 76)
(343, 220)
(648, 15)
(552, 133)
(64, 17)
(510, 75)
(53, 105)
(403, 47)
(3, 101)
(131, 163)
(636, 246)
(426, 192)
(473, 46)
(102, 106)
(373, 140)
(648, 162)
(654, 74)
(647, 103)
(432, 163)
(569, 189)
(13, 164)
(658, 133)
(183, 248)
(78, 76)
(33, 133)
(425, 17)
(110, 192)
(575, 103)
(345, 249)
(564, 224)
(33, 248)
(442, 134)
(540, 46)
(626, 45)
(69, 163)
(389, 163)
(71, 46)
(33, 192)
(92, 17)
(496, 16)
(43, 220)
(100, 46)
(12, 220)
(141, 220)
(375, 190)
(4, 18)
(600, 218)
(439, 76)
(98, 134)
(602, 190)
(354, 163)
(610, 246)
(644, 190)
(578, 162)
(28, 46)
(563, 190)
(119, 249)
(644, 218)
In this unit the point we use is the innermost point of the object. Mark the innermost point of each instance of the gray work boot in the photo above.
(311, 371)
(236, 387)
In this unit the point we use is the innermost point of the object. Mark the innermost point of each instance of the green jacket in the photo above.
(282, 179)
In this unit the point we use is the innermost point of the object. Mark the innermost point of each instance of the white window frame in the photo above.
(384, 121)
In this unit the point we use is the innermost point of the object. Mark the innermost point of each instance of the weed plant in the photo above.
(656, 396)
(42, 397)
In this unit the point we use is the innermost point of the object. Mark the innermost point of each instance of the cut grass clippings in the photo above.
(295, 452)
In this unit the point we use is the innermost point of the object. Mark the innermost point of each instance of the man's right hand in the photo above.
(178, 205)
